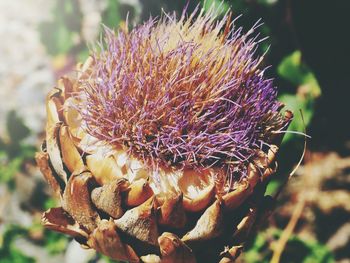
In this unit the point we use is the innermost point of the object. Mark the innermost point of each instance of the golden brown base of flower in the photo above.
(160, 228)
(112, 204)
(221, 240)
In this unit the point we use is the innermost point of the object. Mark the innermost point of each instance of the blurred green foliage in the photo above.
(222, 6)
(297, 250)
(65, 23)
(298, 74)
(53, 242)
(9, 253)
(111, 17)
(14, 151)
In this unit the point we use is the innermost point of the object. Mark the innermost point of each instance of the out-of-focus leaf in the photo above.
(297, 103)
(290, 69)
(16, 129)
(8, 251)
(296, 250)
(267, 2)
(83, 55)
(111, 16)
(272, 187)
(256, 252)
(49, 203)
(223, 6)
(13, 151)
(15, 256)
(59, 35)
(293, 70)
(308, 251)
(2, 145)
(64, 40)
(9, 168)
(55, 242)
(108, 260)
(319, 253)
(27, 151)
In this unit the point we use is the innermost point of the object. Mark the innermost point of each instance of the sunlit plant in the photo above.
(164, 141)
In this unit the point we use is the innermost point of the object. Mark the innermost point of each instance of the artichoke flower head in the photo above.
(184, 94)
(165, 140)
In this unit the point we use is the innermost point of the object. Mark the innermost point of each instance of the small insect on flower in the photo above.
(164, 141)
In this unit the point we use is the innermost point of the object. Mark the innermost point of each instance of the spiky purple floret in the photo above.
(189, 103)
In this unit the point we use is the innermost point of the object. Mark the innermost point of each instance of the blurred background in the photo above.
(41, 40)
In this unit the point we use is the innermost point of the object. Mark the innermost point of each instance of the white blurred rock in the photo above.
(25, 71)
(75, 253)
(38, 253)
(91, 22)
(10, 209)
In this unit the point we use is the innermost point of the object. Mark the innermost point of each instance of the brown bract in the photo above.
(140, 222)
(209, 225)
(108, 197)
(171, 210)
(77, 201)
(59, 220)
(106, 240)
(42, 159)
(173, 250)
(198, 189)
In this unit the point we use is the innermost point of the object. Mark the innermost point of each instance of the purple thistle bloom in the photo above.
(184, 93)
